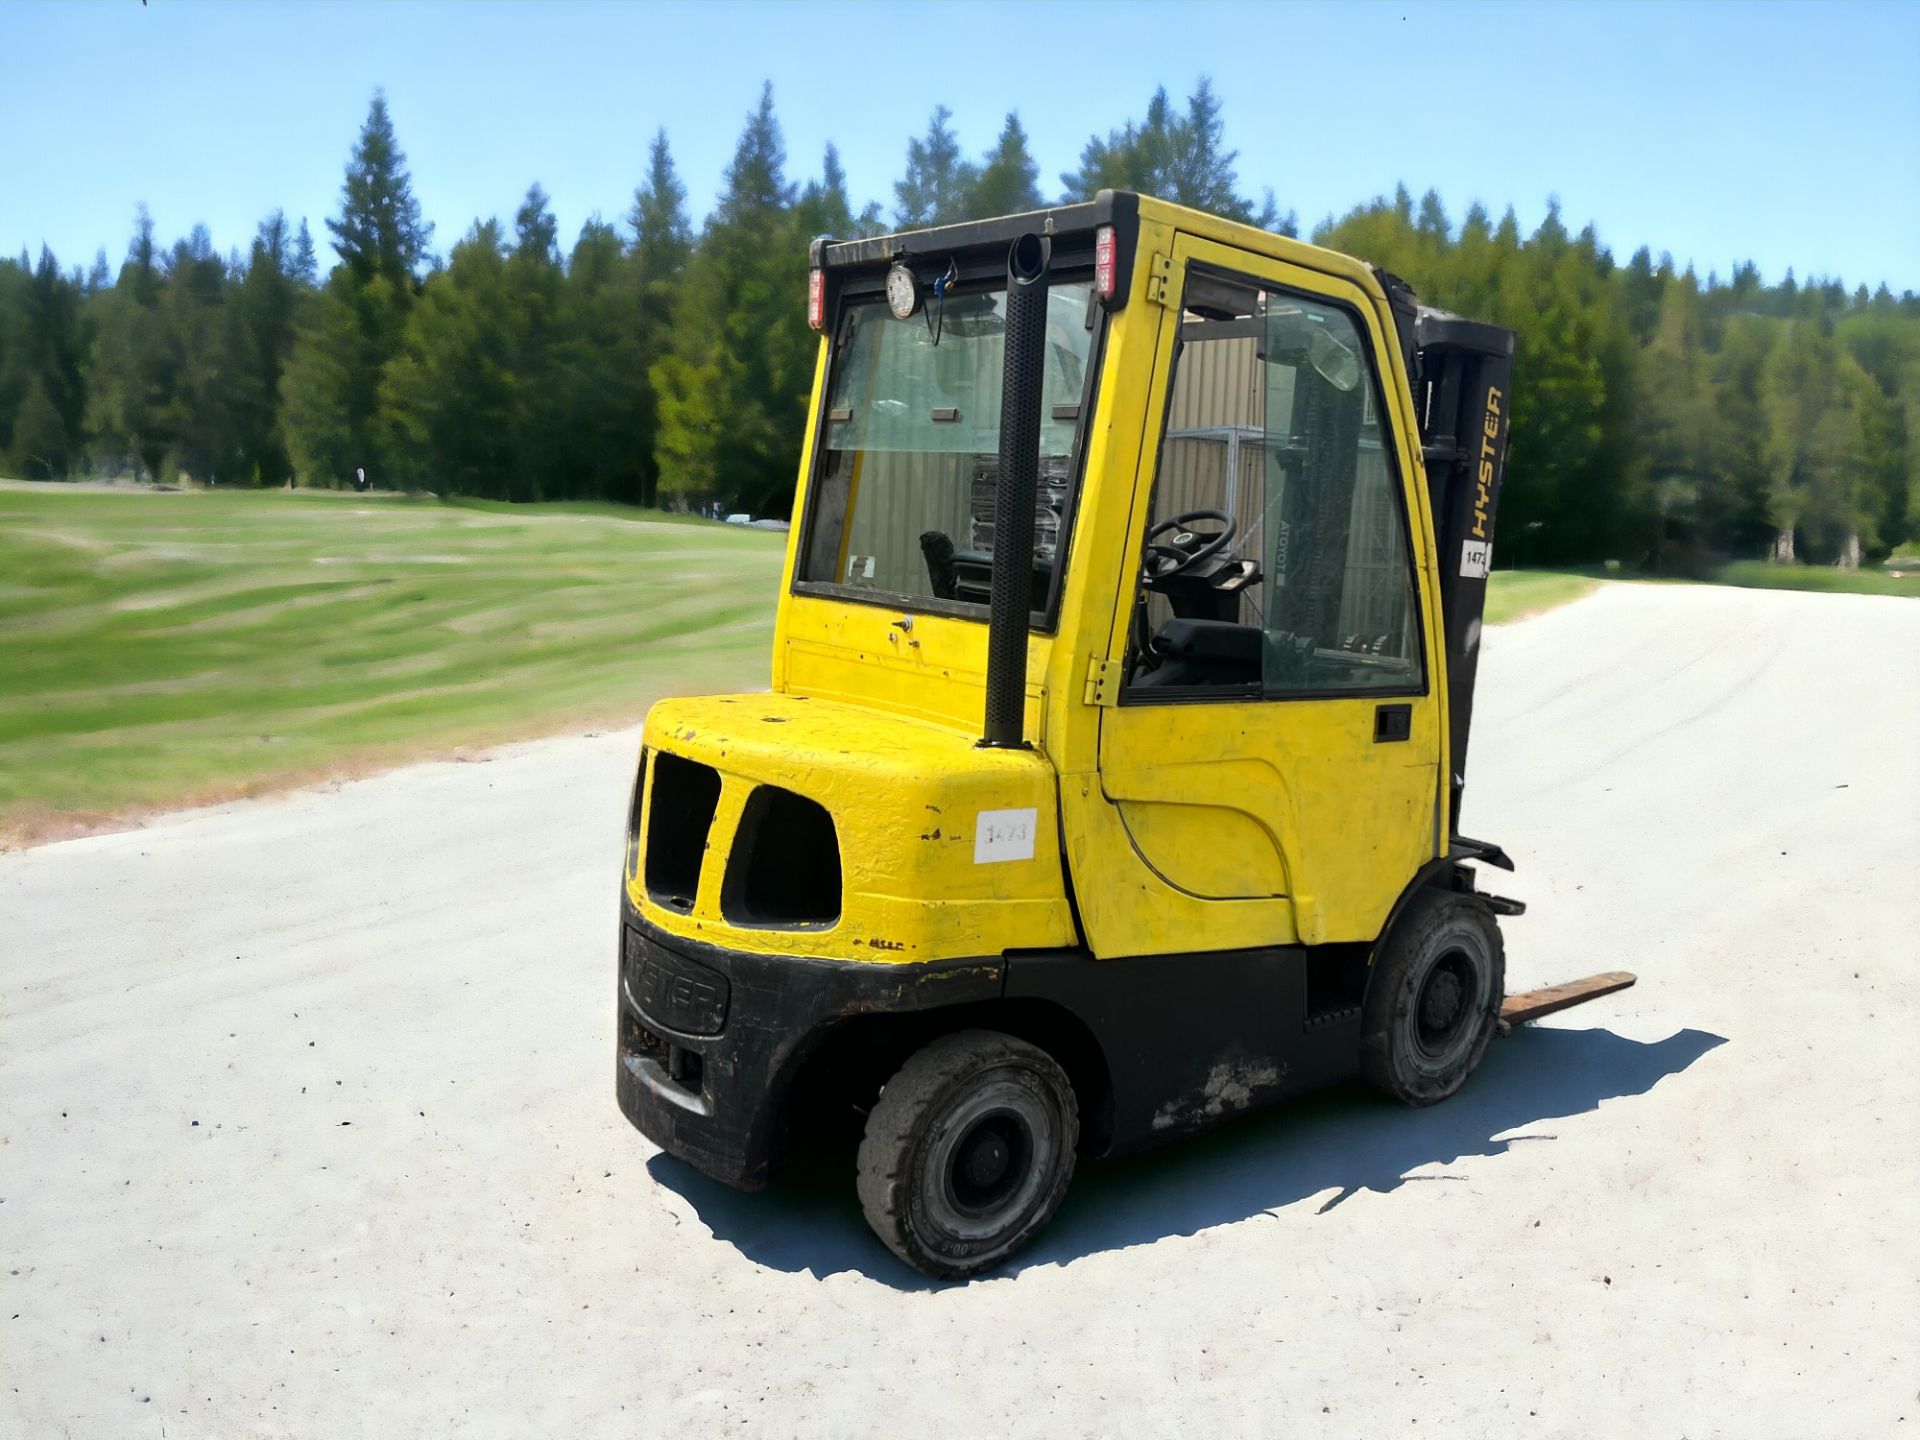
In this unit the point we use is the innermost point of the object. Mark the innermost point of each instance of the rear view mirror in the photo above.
(1334, 361)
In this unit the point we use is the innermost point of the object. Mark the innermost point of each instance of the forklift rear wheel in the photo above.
(968, 1152)
(1437, 986)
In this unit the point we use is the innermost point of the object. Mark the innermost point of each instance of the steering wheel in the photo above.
(1163, 561)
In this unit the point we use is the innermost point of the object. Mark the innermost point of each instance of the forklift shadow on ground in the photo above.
(1336, 1144)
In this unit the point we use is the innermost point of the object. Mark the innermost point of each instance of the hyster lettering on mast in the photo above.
(1110, 777)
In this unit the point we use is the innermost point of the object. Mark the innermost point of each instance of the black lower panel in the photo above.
(1191, 1039)
(710, 1039)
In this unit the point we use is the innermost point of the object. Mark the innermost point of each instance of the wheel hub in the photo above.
(985, 1161)
(1440, 1006)
(988, 1166)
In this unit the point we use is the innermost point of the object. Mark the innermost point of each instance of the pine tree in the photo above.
(1475, 267)
(448, 400)
(757, 192)
(327, 405)
(131, 378)
(332, 385)
(732, 393)
(1885, 463)
(534, 338)
(1676, 431)
(56, 343)
(1134, 157)
(1572, 420)
(15, 374)
(305, 269)
(1199, 166)
(266, 306)
(662, 239)
(201, 412)
(536, 232)
(380, 231)
(1886, 345)
(1009, 181)
(824, 208)
(602, 406)
(1176, 157)
(1640, 294)
(1747, 528)
(939, 181)
(38, 442)
(1813, 445)
(662, 246)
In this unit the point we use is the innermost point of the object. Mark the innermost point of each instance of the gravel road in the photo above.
(307, 1122)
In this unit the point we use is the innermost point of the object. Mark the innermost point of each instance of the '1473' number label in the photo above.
(1004, 835)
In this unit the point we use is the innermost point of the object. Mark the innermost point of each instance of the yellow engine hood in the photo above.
(947, 850)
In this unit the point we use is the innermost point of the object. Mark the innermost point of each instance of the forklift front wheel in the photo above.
(968, 1152)
(1435, 997)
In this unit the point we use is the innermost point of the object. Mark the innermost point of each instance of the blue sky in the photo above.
(1781, 132)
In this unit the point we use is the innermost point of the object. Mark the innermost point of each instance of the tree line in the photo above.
(1659, 418)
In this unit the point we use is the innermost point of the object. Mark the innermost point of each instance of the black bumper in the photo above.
(710, 1040)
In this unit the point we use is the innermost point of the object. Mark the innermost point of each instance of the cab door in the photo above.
(1270, 721)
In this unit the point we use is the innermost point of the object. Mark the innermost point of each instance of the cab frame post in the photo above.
(1023, 378)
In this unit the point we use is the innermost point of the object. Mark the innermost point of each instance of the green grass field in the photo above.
(1512, 594)
(1868, 580)
(158, 649)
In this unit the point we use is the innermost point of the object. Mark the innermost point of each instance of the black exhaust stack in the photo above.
(1020, 396)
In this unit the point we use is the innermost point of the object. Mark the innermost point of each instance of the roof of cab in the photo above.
(1123, 209)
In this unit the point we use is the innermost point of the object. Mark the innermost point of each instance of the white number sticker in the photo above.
(1475, 558)
(1003, 835)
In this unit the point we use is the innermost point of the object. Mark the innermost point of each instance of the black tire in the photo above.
(1434, 1001)
(968, 1152)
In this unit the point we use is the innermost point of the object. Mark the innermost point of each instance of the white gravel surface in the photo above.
(307, 1122)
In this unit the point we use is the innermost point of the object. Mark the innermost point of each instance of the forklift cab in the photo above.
(1107, 781)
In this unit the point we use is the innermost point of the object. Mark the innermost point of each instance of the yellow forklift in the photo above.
(1109, 780)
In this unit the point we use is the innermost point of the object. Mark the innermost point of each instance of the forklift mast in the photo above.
(1461, 372)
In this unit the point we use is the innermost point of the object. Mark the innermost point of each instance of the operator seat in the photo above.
(968, 574)
(1205, 652)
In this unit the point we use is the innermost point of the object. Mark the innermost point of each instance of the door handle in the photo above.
(1392, 722)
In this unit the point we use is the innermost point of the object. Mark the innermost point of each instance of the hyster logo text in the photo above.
(1489, 440)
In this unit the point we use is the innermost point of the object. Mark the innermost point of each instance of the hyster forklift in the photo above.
(1110, 776)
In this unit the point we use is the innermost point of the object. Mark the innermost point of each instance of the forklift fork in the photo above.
(1532, 1004)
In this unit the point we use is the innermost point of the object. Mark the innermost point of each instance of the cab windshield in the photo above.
(902, 503)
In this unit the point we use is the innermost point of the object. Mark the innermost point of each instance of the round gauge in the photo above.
(903, 292)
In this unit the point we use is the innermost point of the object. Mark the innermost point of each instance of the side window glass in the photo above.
(1276, 560)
